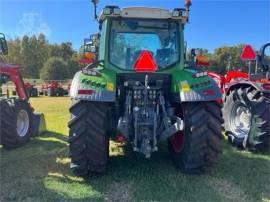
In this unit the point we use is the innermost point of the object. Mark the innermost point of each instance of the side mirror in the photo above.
(3, 44)
(194, 52)
(94, 37)
(89, 46)
(199, 58)
(90, 52)
(264, 57)
(93, 49)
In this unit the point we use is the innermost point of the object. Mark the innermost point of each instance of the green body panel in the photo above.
(178, 77)
(182, 77)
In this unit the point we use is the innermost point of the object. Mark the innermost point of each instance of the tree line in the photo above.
(226, 57)
(40, 59)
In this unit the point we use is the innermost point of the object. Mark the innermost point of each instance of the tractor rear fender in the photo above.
(82, 90)
(211, 93)
(246, 84)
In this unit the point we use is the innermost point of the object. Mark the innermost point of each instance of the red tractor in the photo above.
(17, 120)
(246, 109)
(31, 89)
(53, 88)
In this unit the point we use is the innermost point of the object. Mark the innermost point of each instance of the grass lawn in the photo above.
(39, 171)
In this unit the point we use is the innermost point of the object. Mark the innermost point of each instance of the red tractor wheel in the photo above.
(246, 119)
(16, 123)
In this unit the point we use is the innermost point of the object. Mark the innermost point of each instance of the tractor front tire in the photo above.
(200, 143)
(88, 139)
(16, 123)
(256, 136)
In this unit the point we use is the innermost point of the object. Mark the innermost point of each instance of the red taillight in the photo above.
(219, 101)
(86, 92)
(209, 92)
(85, 61)
(120, 138)
(266, 86)
(145, 62)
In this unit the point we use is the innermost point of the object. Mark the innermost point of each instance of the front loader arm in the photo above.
(15, 76)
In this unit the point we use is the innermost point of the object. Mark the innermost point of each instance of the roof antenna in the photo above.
(95, 2)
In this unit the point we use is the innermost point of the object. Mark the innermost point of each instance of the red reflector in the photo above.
(145, 62)
(203, 63)
(120, 138)
(85, 61)
(219, 101)
(248, 53)
(209, 92)
(266, 86)
(86, 92)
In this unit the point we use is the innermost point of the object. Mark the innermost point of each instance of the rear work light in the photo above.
(91, 72)
(116, 11)
(177, 12)
(108, 10)
(199, 74)
(209, 92)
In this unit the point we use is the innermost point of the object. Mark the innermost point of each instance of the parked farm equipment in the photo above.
(139, 89)
(53, 88)
(246, 109)
(18, 122)
(31, 89)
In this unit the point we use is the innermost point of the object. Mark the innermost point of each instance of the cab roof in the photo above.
(142, 12)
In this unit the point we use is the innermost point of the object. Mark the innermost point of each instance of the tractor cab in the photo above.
(137, 32)
(128, 32)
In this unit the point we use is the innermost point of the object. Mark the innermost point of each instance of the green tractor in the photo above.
(142, 88)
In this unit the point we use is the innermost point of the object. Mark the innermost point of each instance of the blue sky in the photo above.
(213, 23)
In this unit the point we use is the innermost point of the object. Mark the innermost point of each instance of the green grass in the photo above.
(39, 171)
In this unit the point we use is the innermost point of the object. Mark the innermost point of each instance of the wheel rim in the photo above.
(22, 123)
(177, 141)
(240, 120)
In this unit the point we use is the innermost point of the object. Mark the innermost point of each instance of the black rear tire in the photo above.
(88, 140)
(34, 92)
(202, 137)
(10, 137)
(258, 138)
(51, 92)
(60, 92)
